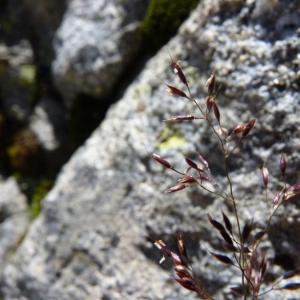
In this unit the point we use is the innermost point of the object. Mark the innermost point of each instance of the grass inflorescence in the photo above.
(241, 242)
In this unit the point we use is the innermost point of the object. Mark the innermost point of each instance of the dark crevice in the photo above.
(285, 261)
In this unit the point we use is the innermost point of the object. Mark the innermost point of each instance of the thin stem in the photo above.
(267, 225)
(207, 119)
(242, 258)
(266, 198)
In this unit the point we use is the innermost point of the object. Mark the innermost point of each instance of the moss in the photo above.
(27, 82)
(2, 124)
(3, 67)
(24, 153)
(8, 25)
(39, 193)
(171, 138)
(98, 91)
(35, 189)
(27, 74)
(162, 20)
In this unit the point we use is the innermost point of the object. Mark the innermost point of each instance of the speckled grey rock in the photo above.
(94, 44)
(47, 122)
(91, 240)
(14, 219)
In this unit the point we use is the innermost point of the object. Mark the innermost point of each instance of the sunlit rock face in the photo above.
(91, 240)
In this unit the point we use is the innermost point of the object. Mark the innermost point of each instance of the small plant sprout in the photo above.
(241, 242)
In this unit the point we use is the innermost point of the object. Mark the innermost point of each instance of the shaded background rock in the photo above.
(94, 44)
(26, 84)
(91, 239)
(26, 55)
(14, 219)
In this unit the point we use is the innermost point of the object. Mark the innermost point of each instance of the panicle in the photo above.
(187, 179)
(178, 71)
(182, 247)
(173, 91)
(265, 175)
(209, 103)
(248, 271)
(246, 231)
(282, 164)
(248, 128)
(183, 118)
(238, 129)
(210, 83)
(216, 112)
(193, 165)
(276, 199)
(187, 283)
(291, 192)
(263, 266)
(176, 188)
(204, 177)
(161, 246)
(161, 161)
(203, 161)
(227, 222)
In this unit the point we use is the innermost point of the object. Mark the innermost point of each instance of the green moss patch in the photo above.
(162, 20)
(24, 153)
(39, 193)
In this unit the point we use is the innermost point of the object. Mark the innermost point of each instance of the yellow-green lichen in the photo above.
(171, 138)
(141, 90)
(193, 74)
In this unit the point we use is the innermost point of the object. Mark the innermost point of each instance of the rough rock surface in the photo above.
(48, 123)
(14, 219)
(94, 44)
(90, 241)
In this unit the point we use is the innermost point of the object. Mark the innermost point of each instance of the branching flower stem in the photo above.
(237, 241)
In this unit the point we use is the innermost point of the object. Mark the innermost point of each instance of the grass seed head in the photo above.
(176, 188)
(210, 83)
(248, 128)
(161, 161)
(282, 164)
(173, 91)
(265, 175)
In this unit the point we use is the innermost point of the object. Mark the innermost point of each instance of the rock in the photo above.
(48, 123)
(14, 219)
(92, 238)
(94, 44)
